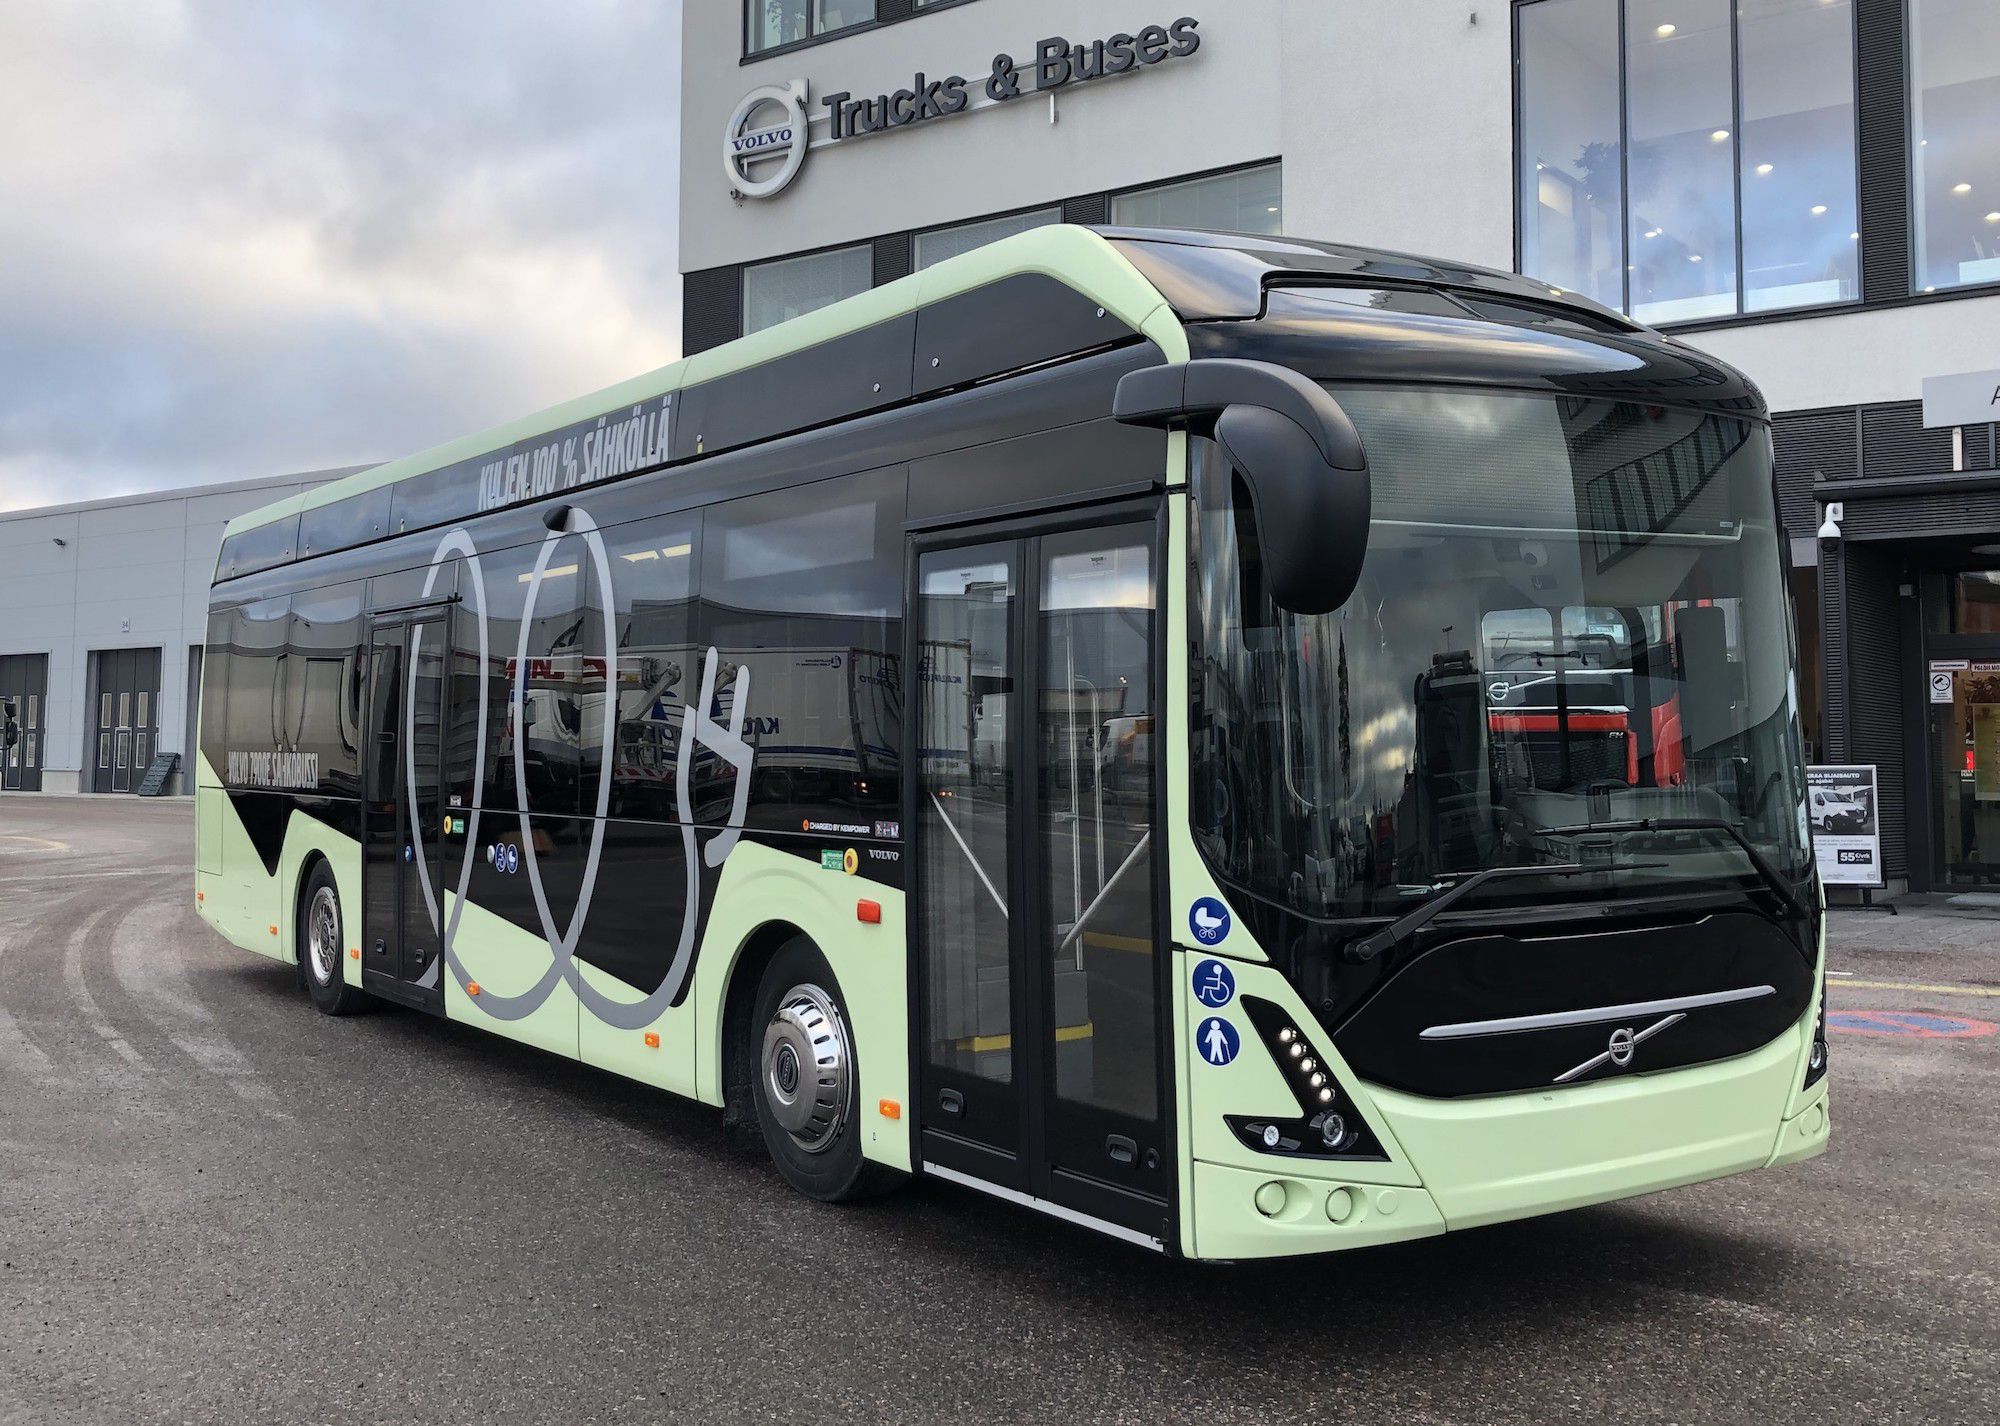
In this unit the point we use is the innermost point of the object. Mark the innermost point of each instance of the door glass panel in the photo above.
(124, 710)
(1966, 736)
(965, 685)
(1095, 748)
(422, 795)
(104, 750)
(104, 709)
(124, 746)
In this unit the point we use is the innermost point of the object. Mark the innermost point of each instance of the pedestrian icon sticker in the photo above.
(1214, 986)
(1208, 919)
(1217, 1041)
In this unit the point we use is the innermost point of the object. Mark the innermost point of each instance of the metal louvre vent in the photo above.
(711, 308)
(1876, 690)
(1895, 441)
(1808, 445)
(1882, 119)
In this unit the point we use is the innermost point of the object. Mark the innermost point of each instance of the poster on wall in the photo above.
(1846, 831)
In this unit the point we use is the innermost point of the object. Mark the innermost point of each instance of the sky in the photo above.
(241, 238)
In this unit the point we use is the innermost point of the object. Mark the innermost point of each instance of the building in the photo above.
(103, 609)
(1810, 189)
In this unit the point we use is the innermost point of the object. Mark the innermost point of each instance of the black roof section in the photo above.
(1211, 276)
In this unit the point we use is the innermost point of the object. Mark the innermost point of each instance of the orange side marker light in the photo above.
(201, 896)
(652, 1040)
(274, 930)
(354, 953)
(472, 987)
(868, 912)
(890, 1109)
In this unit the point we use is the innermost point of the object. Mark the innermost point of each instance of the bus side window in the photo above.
(804, 589)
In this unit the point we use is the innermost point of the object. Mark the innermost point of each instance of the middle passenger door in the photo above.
(1040, 977)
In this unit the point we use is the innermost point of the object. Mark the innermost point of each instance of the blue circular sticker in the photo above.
(1208, 919)
(1216, 1040)
(1214, 986)
(513, 859)
(409, 854)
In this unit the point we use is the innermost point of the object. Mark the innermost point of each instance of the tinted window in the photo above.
(214, 713)
(549, 687)
(352, 521)
(261, 548)
(803, 589)
(658, 666)
(322, 684)
(257, 641)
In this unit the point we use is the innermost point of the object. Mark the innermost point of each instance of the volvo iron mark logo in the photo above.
(1619, 1050)
(766, 140)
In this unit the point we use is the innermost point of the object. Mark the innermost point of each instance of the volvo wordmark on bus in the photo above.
(1349, 785)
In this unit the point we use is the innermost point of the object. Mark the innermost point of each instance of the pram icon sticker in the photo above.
(1216, 1040)
(1214, 986)
(1208, 919)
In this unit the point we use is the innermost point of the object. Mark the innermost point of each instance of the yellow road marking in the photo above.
(1913, 985)
(45, 844)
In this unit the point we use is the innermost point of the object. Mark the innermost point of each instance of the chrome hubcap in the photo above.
(808, 1067)
(323, 935)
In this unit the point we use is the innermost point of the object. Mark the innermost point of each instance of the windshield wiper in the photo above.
(1407, 925)
(1769, 874)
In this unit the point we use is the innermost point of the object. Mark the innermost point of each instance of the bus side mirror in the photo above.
(1295, 449)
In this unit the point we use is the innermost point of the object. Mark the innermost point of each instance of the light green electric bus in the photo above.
(1257, 747)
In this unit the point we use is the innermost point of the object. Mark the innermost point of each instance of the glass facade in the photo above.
(1689, 159)
(941, 243)
(770, 23)
(1249, 200)
(1955, 141)
(775, 292)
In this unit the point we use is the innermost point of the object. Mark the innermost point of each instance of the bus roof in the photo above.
(1150, 281)
(1078, 257)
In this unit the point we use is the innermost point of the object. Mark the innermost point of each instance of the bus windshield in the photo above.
(1570, 646)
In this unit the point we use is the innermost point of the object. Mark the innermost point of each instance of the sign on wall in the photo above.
(1843, 809)
(766, 139)
(1969, 399)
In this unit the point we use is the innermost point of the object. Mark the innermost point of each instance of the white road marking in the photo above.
(80, 993)
(158, 984)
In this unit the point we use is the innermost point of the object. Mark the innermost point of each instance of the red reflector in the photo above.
(868, 911)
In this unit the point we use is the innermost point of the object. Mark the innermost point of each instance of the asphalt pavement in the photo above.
(216, 1205)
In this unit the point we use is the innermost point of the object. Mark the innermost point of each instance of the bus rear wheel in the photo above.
(806, 1078)
(322, 945)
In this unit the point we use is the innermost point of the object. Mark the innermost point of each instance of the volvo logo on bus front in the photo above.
(1624, 1042)
(766, 140)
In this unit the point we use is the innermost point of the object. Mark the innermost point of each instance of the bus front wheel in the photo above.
(806, 1079)
(321, 946)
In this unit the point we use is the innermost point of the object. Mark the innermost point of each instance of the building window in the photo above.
(1572, 229)
(941, 243)
(1955, 141)
(1719, 180)
(771, 23)
(1249, 200)
(775, 292)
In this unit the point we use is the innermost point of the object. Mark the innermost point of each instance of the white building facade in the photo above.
(103, 612)
(1810, 189)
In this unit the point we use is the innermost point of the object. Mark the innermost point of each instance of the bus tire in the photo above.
(321, 941)
(805, 1079)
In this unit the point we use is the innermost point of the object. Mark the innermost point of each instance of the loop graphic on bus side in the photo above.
(724, 739)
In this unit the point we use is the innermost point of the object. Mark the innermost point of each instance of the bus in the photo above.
(1255, 746)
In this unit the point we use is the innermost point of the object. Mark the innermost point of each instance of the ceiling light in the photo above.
(1819, 210)
(1694, 257)
(1664, 30)
(1763, 168)
(1652, 232)
(1718, 136)
(1961, 188)
(1854, 237)
(1993, 217)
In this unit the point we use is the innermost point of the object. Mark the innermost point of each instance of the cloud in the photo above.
(241, 239)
